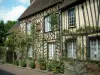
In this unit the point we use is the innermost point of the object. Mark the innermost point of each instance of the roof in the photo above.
(68, 3)
(14, 28)
(39, 5)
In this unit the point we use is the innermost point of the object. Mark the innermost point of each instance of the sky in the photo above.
(12, 9)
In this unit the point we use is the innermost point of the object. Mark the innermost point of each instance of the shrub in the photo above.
(30, 58)
(16, 62)
(55, 66)
(61, 67)
(42, 63)
(23, 63)
(32, 64)
(2, 61)
(49, 66)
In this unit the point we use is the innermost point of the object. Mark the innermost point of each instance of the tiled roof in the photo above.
(67, 3)
(39, 5)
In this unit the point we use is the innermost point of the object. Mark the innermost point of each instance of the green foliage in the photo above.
(32, 64)
(55, 66)
(4, 28)
(58, 67)
(10, 42)
(94, 62)
(30, 58)
(86, 29)
(9, 24)
(42, 63)
(54, 21)
(49, 65)
(2, 61)
(23, 63)
(16, 62)
(2, 54)
(2, 32)
(33, 29)
(81, 30)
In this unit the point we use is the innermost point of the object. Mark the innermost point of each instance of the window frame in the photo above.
(74, 26)
(48, 50)
(97, 39)
(66, 45)
(27, 30)
(45, 24)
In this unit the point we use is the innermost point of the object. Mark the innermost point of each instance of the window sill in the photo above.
(72, 27)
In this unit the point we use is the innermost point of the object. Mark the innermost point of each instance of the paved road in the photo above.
(13, 70)
(3, 72)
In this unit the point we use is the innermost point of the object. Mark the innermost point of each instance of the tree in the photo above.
(4, 28)
(2, 31)
(8, 25)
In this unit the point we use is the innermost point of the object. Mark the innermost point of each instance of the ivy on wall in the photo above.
(54, 21)
(81, 30)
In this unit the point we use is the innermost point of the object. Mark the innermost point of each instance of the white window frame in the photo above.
(28, 28)
(47, 26)
(51, 50)
(95, 49)
(71, 49)
(71, 17)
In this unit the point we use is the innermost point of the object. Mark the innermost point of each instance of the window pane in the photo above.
(51, 50)
(71, 49)
(28, 28)
(71, 17)
(94, 49)
(47, 24)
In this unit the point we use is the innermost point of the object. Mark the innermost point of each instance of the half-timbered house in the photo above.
(68, 28)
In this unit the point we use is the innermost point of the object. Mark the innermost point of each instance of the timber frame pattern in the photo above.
(63, 33)
(40, 38)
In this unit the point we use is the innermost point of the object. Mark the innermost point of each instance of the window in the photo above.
(71, 47)
(47, 24)
(95, 49)
(71, 17)
(38, 27)
(28, 28)
(51, 49)
(30, 51)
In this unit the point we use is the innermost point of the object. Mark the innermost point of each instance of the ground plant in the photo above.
(32, 64)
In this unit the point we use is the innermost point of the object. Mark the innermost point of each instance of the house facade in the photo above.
(63, 28)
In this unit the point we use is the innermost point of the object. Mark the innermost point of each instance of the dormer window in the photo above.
(71, 17)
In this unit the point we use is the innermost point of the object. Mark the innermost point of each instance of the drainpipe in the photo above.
(60, 28)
